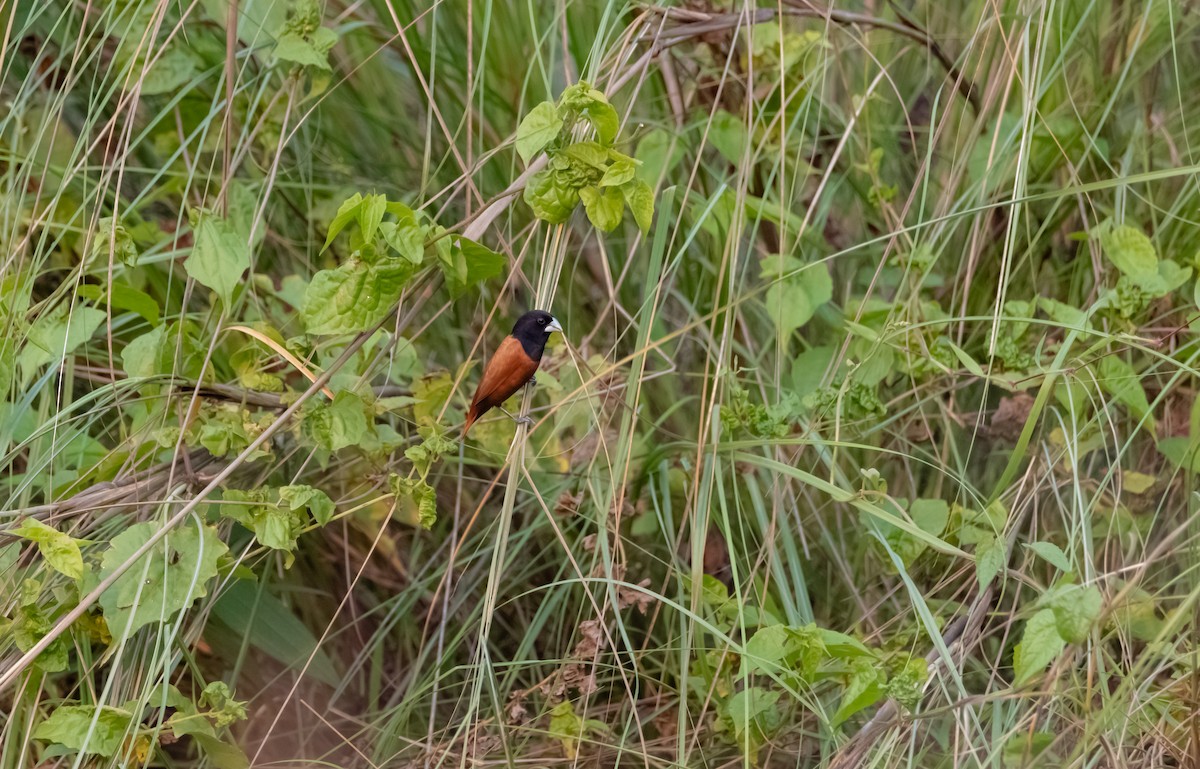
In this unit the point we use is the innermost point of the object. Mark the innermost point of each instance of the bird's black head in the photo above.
(533, 329)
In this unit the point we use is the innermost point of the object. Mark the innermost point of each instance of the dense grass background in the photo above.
(877, 449)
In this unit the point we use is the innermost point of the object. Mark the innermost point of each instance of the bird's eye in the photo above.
(541, 321)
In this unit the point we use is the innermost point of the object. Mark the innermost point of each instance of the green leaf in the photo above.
(864, 689)
(1029, 750)
(32, 621)
(1136, 614)
(347, 212)
(659, 152)
(171, 576)
(1040, 645)
(640, 199)
(550, 200)
(86, 728)
(1051, 554)
(1076, 609)
(797, 650)
(620, 172)
(754, 716)
(792, 302)
(258, 511)
(122, 296)
(59, 549)
(906, 686)
(172, 69)
(468, 263)
(317, 502)
(353, 297)
(220, 255)
(406, 238)
(54, 336)
(603, 206)
(1121, 382)
(540, 127)
(419, 500)
(808, 369)
(112, 239)
(569, 729)
(370, 215)
(307, 52)
(1129, 250)
(727, 133)
(604, 120)
(143, 356)
(989, 559)
(337, 425)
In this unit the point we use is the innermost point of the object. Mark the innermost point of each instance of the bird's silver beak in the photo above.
(553, 327)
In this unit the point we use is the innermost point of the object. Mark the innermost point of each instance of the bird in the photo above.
(513, 364)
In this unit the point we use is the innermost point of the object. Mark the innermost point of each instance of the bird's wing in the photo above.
(508, 369)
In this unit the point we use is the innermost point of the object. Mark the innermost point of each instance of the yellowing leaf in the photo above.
(59, 550)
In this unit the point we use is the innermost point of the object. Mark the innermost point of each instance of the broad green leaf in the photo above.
(55, 335)
(1184, 453)
(659, 152)
(406, 239)
(171, 576)
(353, 297)
(311, 51)
(172, 69)
(603, 206)
(640, 199)
(154, 352)
(989, 559)
(604, 120)
(468, 263)
(796, 650)
(1040, 645)
(317, 502)
(122, 296)
(809, 367)
(754, 715)
(727, 133)
(1121, 382)
(1076, 608)
(540, 127)
(792, 302)
(864, 689)
(930, 514)
(347, 212)
(620, 172)
(1051, 554)
(59, 549)
(220, 255)
(86, 728)
(1129, 250)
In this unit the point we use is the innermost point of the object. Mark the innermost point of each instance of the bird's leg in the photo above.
(527, 421)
